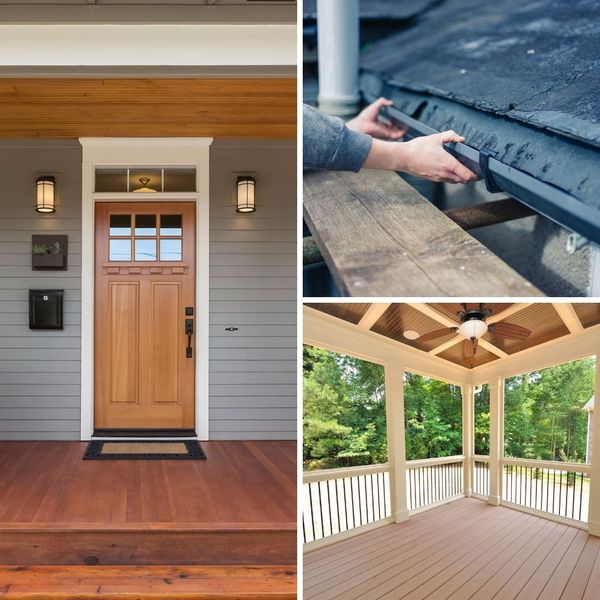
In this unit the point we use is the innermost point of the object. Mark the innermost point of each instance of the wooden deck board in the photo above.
(380, 237)
(236, 507)
(464, 550)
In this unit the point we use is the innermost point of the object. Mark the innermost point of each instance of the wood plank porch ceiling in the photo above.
(221, 108)
(545, 321)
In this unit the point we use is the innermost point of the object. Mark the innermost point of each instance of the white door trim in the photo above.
(144, 152)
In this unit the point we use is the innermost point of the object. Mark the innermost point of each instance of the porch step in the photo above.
(241, 545)
(148, 583)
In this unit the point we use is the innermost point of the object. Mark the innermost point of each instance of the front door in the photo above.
(144, 315)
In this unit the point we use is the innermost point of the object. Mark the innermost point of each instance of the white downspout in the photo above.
(338, 44)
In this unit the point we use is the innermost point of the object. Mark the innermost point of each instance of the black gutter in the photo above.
(548, 200)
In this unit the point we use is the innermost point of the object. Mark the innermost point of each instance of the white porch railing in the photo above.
(560, 489)
(338, 500)
(480, 476)
(433, 480)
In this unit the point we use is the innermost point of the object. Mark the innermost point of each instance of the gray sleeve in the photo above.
(329, 144)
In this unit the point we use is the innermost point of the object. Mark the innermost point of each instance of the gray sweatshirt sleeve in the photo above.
(329, 144)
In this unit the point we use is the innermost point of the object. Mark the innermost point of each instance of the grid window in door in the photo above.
(145, 237)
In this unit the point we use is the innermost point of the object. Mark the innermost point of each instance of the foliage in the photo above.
(344, 411)
(543, 416)
(432, 417)
(481, 434)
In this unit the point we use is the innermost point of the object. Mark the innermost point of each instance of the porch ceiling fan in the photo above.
(473, 326)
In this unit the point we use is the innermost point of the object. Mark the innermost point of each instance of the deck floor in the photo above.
(466, 549)
(47, 485)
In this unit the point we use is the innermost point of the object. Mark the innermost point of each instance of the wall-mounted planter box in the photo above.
(51, 260)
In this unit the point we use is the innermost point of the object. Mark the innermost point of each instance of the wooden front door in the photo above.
(144, 316)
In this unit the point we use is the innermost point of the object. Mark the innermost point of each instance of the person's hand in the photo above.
(426, 157)
(368, 122)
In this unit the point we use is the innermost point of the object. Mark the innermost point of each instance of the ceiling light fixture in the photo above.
(144, 189)
(410, 334)
(473, 328)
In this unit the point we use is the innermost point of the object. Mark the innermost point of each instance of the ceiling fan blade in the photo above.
(510, 331)
(436, 334)
(469, 347)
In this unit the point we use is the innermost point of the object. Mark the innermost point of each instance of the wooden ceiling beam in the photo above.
(373, 314)
(491, 348)
(72, 108)
(569, 317)
(434, 314)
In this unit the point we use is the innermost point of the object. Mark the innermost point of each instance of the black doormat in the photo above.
(144, 450)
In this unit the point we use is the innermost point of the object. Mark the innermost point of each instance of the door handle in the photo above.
(189, 331)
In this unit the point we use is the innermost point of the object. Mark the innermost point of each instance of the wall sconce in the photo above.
(246, 196)
(45, 201)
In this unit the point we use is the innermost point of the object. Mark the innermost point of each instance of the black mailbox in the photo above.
(46, 309)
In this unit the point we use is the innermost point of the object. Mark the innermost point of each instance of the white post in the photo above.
(594, 510)
(496, 438)
(338, 46)
(394, 395)
(467, 436)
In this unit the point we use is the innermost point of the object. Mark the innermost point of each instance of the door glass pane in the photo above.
(119, 250)
(145, 180)
(180, 180)
(170, 249)
(120, 225)
(170, 225)
(145, 224)
(145, 249)
(111, 180)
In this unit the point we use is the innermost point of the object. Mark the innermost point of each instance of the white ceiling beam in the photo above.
(509, 312)
(373, 314)
(147, 45)
(448, 344)
(434, 314)
(491, 348)
(569, 317)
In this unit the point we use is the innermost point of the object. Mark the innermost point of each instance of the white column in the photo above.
(394, 394)
(338, 45)
(467, 436)
(496, 438)
(594, 513)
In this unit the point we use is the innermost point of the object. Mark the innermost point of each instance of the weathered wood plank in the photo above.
(380, 237)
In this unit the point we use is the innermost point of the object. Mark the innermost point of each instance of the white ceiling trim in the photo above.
(373, 314)
(147, 45)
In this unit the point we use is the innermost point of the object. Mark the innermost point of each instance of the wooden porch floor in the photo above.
(466, 549)
(236, 507)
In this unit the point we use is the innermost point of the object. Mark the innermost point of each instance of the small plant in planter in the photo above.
(47, 256)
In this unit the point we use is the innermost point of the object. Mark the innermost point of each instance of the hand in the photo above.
(426, 157)
(368, 122)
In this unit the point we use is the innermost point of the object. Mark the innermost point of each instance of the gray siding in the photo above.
(39, 370)
(252, 287)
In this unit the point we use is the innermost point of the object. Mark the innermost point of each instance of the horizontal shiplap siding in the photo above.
(39, 370)
(253, 288)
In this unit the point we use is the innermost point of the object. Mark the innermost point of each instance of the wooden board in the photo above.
(380, 237)
(72, 108)
(142, 583)
(466, 549)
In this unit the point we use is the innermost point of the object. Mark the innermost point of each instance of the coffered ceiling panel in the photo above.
(348, 311)
(588, 313)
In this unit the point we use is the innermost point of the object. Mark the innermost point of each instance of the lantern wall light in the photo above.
(246, 194)
(45, 201)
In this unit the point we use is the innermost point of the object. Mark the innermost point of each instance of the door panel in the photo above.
(145, 279)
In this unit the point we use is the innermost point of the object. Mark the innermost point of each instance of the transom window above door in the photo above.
(145, 180)
(145, 237)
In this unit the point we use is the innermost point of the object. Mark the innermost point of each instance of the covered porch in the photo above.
(463, 526)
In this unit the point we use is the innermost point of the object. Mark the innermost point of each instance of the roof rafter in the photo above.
(569, 317)
(373, 314)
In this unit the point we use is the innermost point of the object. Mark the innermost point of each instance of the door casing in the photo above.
(145, 152)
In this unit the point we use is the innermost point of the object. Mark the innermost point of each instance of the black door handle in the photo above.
(189, 331)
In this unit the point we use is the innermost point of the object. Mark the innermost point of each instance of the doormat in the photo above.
(144, 450)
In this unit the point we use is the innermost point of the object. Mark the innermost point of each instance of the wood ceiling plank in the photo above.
(431, 312)
(443, 347)
(511, 310)
(71, 108)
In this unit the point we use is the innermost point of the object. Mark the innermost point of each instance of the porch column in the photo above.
(496, 438)
(394, 394)
(467, 436)
(594, 510)
(338, 47)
